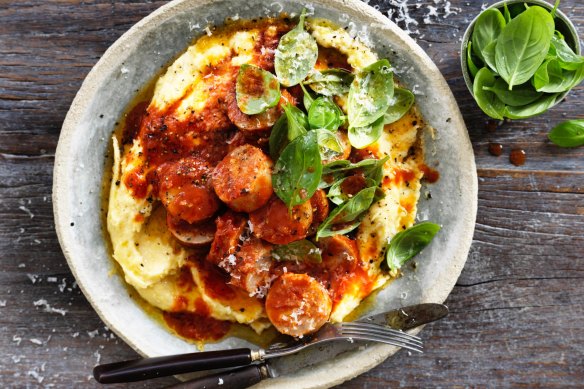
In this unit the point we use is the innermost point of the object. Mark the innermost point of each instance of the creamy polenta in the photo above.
(196, 220)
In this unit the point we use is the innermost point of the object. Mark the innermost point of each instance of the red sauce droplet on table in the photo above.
(492, 125)
(495, 149)
(517, 157)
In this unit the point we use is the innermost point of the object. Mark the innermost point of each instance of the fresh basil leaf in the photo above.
(523, 45)
(256, 90)
(506, 13)
(330, 82)
(296, 54)
(537, 107)
(486, 30)
(329, 144)
(567, 58)
(375, 171)
(487, 101)
(520, 95)
(297, 121)
(298, 171)
(408, 243)
(348, 212)
(324, 113)
(367, 166)
(361, 137)
(489, 55)
(337, 194)
(278, 137)
(370, 94)
(473, 69)
(568, 134)
(298, 251)
(401, 103)
(551, 78)
(307, 98)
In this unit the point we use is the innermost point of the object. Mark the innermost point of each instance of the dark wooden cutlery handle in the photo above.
(146, 368)
(234, 379)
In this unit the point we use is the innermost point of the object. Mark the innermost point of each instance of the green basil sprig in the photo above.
(348, 214)
(408, 243)
(522, 94)
(487, 29)
(361, 137)
(278, 137)
(329, 144)
(370, 168)
(336, 194)
(298, 171)
(296, 55)
(370, 94)
(551, 78)
(297, 251)
(307, 97)
(297, 121)
(568, 134)
(523, 45)
(487, 100)
(539, 106)
(402, 101)
(324, 113)
(330, 82)
(256, 90)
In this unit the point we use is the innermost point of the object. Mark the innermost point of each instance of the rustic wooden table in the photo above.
(517, 311)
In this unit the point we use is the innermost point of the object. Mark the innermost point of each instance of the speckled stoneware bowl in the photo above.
(137, 57)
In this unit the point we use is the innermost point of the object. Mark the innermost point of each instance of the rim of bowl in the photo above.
(466, 37)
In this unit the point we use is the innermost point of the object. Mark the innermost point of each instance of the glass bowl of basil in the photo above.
(520, 58)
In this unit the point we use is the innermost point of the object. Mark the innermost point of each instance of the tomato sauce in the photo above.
(196, 326)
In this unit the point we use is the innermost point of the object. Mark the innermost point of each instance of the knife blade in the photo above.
(402, 318)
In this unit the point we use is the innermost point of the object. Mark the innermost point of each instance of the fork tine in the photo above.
(382, 336)
(359, 325)
(382, 332)
(386, 340)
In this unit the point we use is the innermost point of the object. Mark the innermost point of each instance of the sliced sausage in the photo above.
(191, 235)
(185, 189)
(230, 227)
(340, 259)
(320, 209)
(274, 223)
(298, 304)
(252, 271)
(243, 179)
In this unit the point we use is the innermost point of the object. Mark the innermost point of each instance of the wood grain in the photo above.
(517, 308)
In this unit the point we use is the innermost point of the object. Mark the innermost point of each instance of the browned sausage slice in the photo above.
(340, 262)
(230, 227)
(252, 271)
(185, 189)
(275, 224)
(191, 235)
(243, 179)
(320, 209)
(297, 304)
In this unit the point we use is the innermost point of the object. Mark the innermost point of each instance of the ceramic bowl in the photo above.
(563, 25)
(137, 57)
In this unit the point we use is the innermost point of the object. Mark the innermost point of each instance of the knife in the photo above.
(401, 319)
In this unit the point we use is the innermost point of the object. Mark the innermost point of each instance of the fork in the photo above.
(141, 369)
